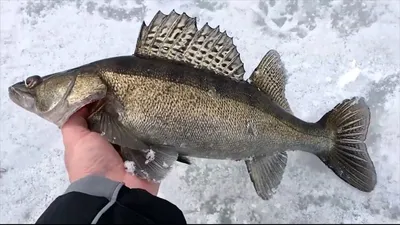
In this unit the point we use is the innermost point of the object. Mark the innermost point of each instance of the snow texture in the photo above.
(130, 166)
(150, 156)
(332, 50)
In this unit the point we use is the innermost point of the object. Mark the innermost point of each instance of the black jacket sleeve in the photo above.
(98, 200)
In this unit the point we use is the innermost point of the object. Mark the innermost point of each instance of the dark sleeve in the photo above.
(98, 200)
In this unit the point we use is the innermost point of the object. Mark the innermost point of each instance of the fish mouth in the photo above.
(14, 95)
(20, 96)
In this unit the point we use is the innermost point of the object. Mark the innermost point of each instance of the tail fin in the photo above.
(348, 157)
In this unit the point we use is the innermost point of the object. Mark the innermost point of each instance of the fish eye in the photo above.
(32, 81)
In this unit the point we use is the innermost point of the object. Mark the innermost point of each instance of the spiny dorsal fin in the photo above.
(176, 37)
(270, 77)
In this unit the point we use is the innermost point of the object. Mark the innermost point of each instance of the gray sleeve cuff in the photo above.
(96, 185)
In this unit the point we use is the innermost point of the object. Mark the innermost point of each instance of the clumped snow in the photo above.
(150, 156)
(332, 50)
(130, 166)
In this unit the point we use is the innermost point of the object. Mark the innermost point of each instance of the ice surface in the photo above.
(318, 41)
(350, 76)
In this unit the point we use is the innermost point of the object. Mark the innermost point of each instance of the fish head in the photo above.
(56, 97)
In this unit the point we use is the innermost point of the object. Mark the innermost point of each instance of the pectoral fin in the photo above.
(266, 173)
(108, 125)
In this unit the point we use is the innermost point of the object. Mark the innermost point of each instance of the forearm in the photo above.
(96, 199)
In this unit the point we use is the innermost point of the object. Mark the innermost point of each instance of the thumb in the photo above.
(75, 128)
(77, 119)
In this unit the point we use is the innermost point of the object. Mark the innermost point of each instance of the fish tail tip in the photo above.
(348, 154)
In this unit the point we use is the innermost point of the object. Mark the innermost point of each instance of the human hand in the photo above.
(89, 153)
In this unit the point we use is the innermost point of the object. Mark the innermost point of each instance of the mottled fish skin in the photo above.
(200, 113)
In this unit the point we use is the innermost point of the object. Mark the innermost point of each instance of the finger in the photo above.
(75, 128)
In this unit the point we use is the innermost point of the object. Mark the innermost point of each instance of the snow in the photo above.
(318, 42)
(350, 76)
(130, 166)
(150, 156)
(165, 165)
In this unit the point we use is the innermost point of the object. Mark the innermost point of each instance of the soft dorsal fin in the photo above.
(176, 37)
(270, 77)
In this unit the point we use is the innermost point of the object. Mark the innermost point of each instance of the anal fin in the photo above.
(270, 77)
(266, 173)
(150, 164)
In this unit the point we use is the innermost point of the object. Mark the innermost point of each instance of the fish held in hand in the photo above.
(182, 94)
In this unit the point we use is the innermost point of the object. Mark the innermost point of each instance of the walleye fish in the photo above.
(182, 94)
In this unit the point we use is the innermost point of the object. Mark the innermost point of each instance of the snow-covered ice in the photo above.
(350, 76)
(331, 49)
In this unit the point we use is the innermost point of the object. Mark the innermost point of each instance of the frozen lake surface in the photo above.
(332, 50)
